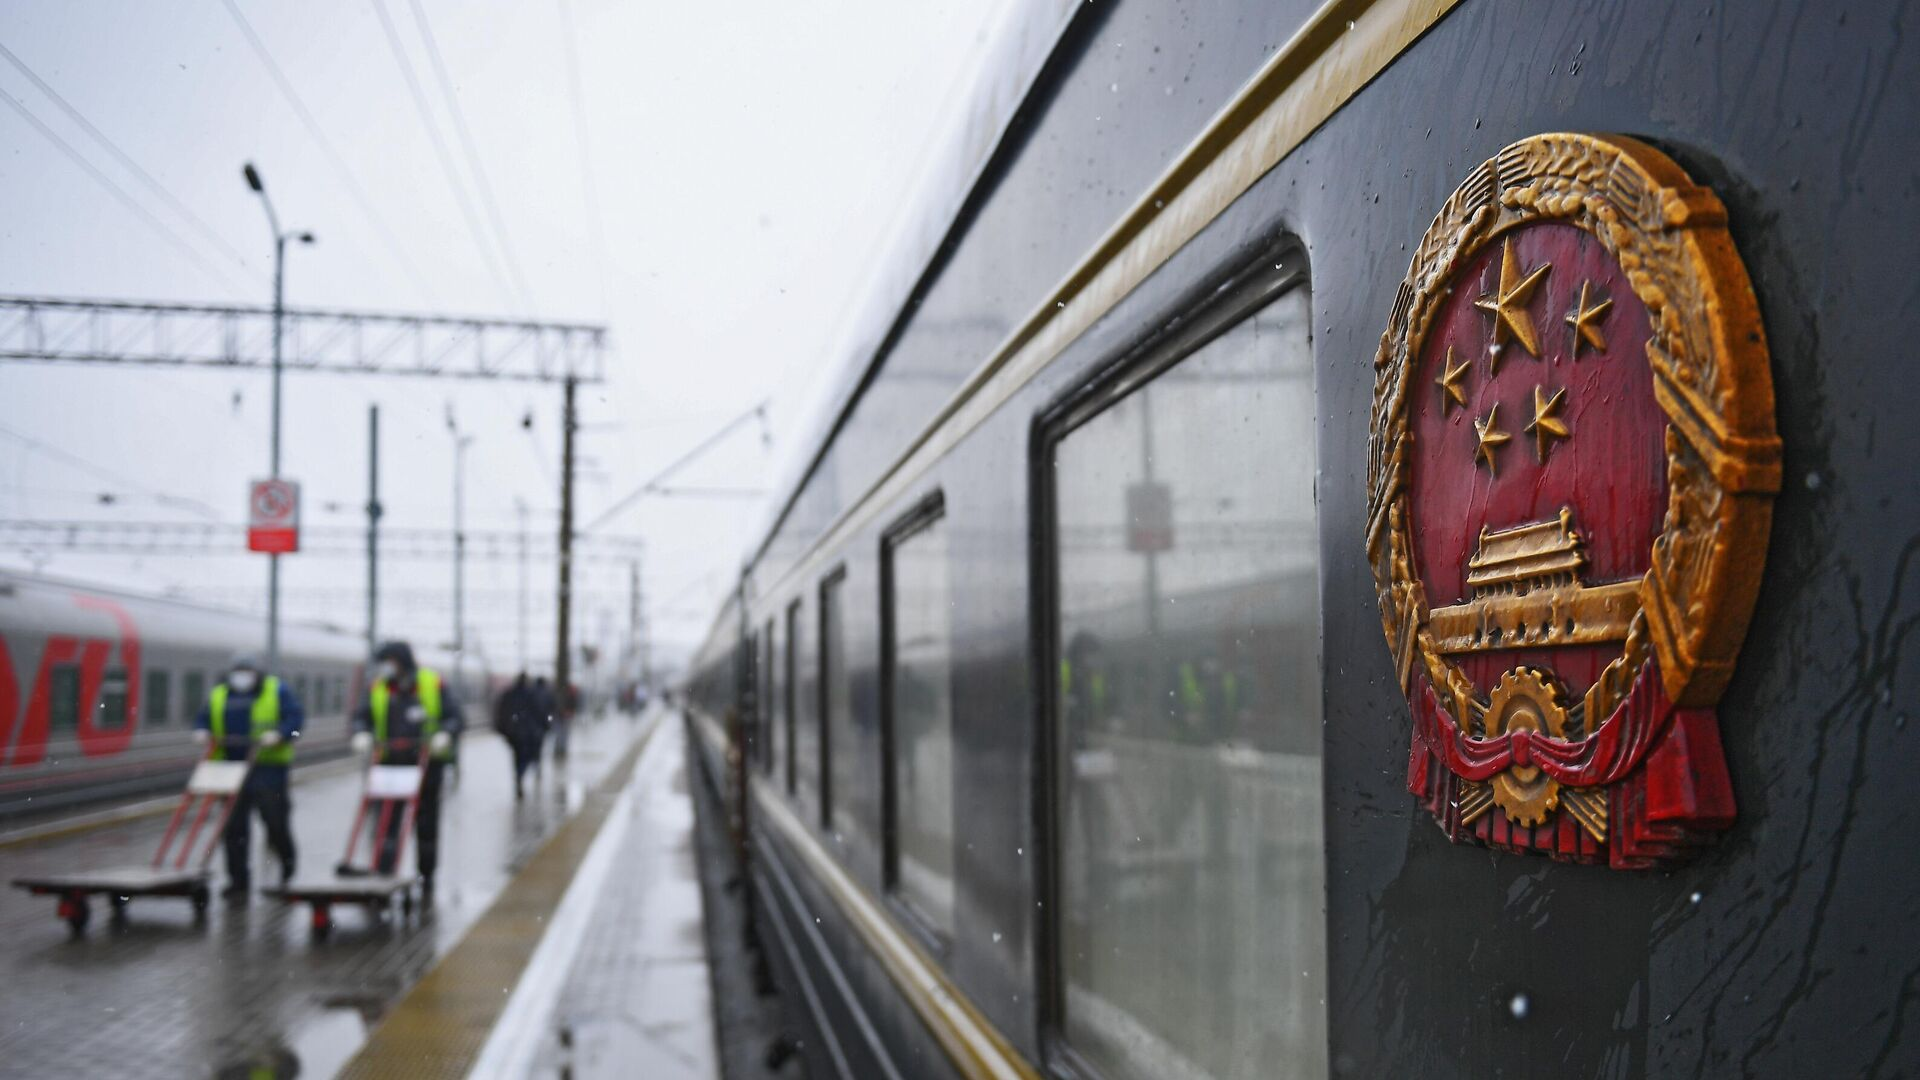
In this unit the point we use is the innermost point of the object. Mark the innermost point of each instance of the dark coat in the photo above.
(519, 715)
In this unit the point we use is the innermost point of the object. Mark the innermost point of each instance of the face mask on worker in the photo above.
(388, 670)
(243, 680)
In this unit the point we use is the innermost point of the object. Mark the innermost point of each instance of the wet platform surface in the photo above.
(636, 1000)
(248, 993)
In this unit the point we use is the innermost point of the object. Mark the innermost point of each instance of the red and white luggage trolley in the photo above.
(175, 870)
(389, 791)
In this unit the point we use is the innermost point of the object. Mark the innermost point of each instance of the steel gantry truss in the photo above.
(51, 329)
(278, 338)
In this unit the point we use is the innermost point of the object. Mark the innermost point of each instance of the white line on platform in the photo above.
(523, 1025)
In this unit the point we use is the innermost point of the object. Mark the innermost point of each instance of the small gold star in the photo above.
(1491, 439)
(1586, 322)
(1547, 424)
(1508, 305)
(1451, 392)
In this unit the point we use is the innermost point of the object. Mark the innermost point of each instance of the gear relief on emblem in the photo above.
(1569, 490)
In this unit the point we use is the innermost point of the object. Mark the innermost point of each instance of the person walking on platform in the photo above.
(521, 722)
(409, 710)
(250, 714)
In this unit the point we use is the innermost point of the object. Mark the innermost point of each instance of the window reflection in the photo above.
(1192, 933)
(920, 709)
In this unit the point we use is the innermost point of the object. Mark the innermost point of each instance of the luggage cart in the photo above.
(173, 871)
(388, 790)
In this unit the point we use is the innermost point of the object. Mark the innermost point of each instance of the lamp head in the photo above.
(253, 177)
(307, 238)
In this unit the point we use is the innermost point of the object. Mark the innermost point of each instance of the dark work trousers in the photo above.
(265, 790)
(426, 826)
(526, 754)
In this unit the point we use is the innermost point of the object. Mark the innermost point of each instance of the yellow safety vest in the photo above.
(426, 684)
(266, 717)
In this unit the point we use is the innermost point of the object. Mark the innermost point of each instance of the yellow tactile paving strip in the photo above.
(439, 1028)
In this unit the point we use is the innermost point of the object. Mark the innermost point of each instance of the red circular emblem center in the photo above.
(1532, 395)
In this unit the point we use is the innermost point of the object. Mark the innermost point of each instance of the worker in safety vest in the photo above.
(407, 709)
(250, 713)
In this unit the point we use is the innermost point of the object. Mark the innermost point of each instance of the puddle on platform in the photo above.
(319, 1049)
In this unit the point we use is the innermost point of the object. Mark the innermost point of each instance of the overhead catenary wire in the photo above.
(103, 473)
(166, 231)
(334, 156)
(445, 155)
(206, 231)
(472, 152)
(656, 483)
(596, 225)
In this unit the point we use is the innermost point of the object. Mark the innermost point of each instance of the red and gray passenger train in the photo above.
(1367, 538)
(99, 688)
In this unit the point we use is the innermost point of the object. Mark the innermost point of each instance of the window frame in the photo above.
(194, 688)
(835, 578)
(156, 697)
(63, 709)
(929, 510)
(1218, 304)
(768, 707)
(111, 721)
(790, 693)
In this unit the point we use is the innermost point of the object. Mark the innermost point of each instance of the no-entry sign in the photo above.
(273, 516)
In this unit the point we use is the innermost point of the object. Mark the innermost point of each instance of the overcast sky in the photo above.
(730, 171)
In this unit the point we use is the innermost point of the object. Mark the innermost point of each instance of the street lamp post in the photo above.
(279, 310)
(460, 444)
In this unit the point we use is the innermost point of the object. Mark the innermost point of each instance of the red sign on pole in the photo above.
(273, 516)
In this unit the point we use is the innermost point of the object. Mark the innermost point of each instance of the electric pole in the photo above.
(563, 652)
(520, 508)
(373, 528)
(633, 608)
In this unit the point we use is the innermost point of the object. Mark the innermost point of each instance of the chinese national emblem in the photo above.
(1569, 490)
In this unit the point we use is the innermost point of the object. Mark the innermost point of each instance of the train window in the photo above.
(917, 666)
(110, 710)
(300, 690)
(159, 696)
(769, 702)
(837, 763)
(809, 738)
(1189, 936)
(63, 697)
(193, 693)
(792, 696)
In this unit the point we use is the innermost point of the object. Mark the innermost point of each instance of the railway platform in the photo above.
(565, 938)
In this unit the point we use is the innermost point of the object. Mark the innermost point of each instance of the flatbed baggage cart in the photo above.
(389, 790)
(212, 791)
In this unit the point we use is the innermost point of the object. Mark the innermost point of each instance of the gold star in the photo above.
(1547, 424)
(1586, 322)
(1451, 392)
(1491, 438)
(1508, 306)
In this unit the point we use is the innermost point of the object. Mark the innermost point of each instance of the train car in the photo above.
(99, 687)
(1360, 539)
